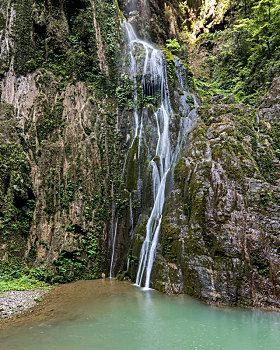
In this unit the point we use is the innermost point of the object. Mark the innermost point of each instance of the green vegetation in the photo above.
(257, 139)
(16, 197)
(169, 237)
(24, 45)
(132, 168)
(63, 40)
(60, 169)
(14, 276)
(65, 43)
(125, 93)
(243, 58)
(2, 21)
(173, 45)
(69, 267)
(22, 283)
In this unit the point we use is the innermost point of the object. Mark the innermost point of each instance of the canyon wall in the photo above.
(68, 167)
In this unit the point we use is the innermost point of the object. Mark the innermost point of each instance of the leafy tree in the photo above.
(265, 24)
(173, 45)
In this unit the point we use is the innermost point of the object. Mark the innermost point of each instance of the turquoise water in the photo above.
(125, 318)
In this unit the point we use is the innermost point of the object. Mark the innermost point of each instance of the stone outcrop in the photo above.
(220, 235)
(269, 109)
(60, 141)
(155, 20)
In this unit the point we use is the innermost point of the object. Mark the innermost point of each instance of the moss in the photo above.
(193, 246)
(24, 45)
(212, 113)
(180, 172)
(190, 100)
(132, 167)
(123, 276)
(261, 154)
(265, 198)
(190, 75)
(265, 163)
(168, 56)
(169, 241)
(16, 197)
(2, 21)
(119, 11)
(199, 131)
(156, 159)
(160, 286)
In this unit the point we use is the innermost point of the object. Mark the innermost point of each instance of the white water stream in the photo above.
(154, 83)
(147, 64)
(113, 248)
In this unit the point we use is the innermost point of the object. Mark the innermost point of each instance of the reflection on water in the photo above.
(111, 315)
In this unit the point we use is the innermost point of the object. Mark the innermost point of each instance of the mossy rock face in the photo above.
(224, 196)
(17, 200)
(136, 245)
(77, 41)
(64, 150)
(2, 21)
(152, 20)
(169, 242)
(132, 166)
(123, 276)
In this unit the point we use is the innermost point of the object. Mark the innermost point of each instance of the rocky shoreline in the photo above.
(14, 303)
(57, 303)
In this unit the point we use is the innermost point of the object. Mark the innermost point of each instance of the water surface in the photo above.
(111, 315)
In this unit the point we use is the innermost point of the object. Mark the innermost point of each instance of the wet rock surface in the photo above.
(270, 105)
(221, 225)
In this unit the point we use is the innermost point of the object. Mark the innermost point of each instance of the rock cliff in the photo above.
(68, 167)
(220, 237)
(60, 139)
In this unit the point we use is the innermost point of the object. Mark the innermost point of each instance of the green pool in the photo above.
(118, 316)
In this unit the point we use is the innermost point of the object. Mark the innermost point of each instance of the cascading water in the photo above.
(149, 63)
(131, 226)
(113, 248)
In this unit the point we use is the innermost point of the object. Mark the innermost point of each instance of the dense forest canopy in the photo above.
(243, 49)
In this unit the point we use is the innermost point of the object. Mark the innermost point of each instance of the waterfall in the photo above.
(151, 67)
(113, 248)
(131, 226)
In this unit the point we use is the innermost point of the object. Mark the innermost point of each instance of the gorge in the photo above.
(130, 151)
